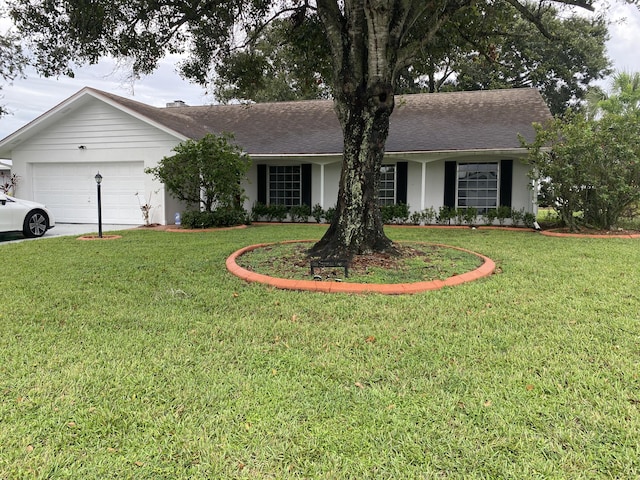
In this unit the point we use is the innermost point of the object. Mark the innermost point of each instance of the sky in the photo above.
(29, 98)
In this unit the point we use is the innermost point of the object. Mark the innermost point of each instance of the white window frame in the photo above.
(386, 171)
(288, 185)
(481, 200)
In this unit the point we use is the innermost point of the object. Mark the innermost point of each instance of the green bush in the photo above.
(268, 213)
(220, 217)
(260, 212)
(300, 213)
(502, 213)
(470, 214)
(489, 216)
(317, 212)
(415, 218)
(528, 219)
(329, 214)
(592, 166)
(429, 215)
(517, 216)
(205, 173)
(445, 214)
(397, 213)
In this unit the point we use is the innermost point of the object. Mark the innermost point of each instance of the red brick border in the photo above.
(554, 233)
(487, 268)
(96, 237)
(196, 230)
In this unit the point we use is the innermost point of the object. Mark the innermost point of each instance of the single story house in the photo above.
(453, 149)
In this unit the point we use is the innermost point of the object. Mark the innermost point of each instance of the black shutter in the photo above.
(450, 175)
(262, 184)
(506, 181)
(305, 170)
(402, 173)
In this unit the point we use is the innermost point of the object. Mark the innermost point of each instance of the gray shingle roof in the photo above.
(480, 120)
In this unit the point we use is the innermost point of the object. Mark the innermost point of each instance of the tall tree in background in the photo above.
(504, 51)
(623, 97)
(371, 42)
(561, 63)
(12, 61)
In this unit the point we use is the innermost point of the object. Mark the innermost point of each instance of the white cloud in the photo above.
(625, 34)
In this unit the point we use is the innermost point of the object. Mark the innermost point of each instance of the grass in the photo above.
(142, 358)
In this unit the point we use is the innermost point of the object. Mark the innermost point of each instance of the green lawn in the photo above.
(143, 358)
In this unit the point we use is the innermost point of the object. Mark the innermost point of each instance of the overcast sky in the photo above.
(29, 98)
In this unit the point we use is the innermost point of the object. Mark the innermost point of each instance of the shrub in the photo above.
(329, 214)
(300, 213)
(592, 166)
(259, 212)
(278, 212)
(489, 216)
(317, 212)
(220, 217)
(397, 213)
(470, 214)
(445, 214)
(502, 213)
(206, 173)
(528, 219)
(415, 218)
(429, 215)
(516, 216)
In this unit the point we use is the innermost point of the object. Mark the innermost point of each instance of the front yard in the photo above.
(143, 358)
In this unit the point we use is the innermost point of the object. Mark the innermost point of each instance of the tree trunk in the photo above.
(357, 226)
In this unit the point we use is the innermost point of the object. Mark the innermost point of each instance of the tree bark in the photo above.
(364, 50)
(357, 226)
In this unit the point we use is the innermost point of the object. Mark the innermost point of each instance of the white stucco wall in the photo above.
(419, 167)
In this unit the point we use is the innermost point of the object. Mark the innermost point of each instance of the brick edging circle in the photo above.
(197, 230)
(96, 237)
(486, 269)
(554, 233)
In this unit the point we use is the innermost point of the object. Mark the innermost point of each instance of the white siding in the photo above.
(109, 136)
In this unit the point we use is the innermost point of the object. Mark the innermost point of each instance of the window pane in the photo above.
(284, 185)
(478, 185)
(387, 191)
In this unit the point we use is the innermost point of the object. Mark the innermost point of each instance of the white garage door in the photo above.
(69, 190)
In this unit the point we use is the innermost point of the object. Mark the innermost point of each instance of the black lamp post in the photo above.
(98, 182)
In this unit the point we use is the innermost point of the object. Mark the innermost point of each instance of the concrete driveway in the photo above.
(64, 229)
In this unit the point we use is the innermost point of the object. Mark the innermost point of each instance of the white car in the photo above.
(31, 218)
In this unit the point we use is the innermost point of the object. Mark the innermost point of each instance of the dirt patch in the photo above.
(412, 263)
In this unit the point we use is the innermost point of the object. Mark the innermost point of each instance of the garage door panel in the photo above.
(69, 190)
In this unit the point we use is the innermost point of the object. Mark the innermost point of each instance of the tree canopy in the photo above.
(623, 97)
(12, 60)
(291, 61)
(371, 44)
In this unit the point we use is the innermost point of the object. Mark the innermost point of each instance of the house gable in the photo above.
(96, 125)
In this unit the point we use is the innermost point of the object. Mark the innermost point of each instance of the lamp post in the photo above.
(98, 178)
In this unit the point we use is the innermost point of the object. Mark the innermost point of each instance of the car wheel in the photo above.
(35, 224)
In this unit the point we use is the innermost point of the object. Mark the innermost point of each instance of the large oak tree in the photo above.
(291, 61)
(371, 42)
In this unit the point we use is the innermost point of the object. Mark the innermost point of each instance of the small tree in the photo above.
(206, 173)
(592, 167)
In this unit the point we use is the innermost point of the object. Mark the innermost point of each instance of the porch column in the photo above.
(322, 185)
(423, 191)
